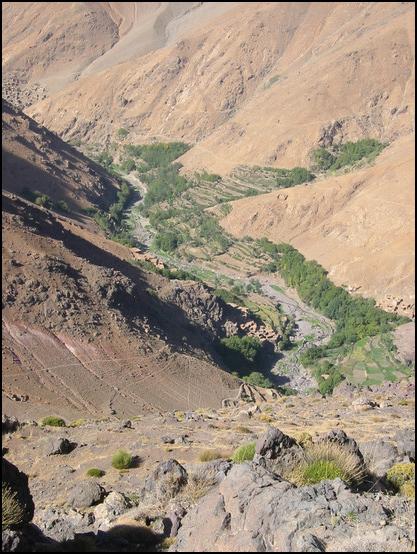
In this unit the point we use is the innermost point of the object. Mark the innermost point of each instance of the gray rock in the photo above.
(406, 443)
(14, 540)
(58, 445)
(114, 505)
(85, 494)
(167, 440)
(379, 456)
(166, 481)
(252, 510)
(62, 524)
(277, 451)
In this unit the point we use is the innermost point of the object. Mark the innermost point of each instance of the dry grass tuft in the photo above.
(198, 485)
(12, 512)
(210, 455)
(327, 460)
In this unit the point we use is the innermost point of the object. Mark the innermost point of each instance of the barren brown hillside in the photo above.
(83, 331)
(359, 225)
(257, 83)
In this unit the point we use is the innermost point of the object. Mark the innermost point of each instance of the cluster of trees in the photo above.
(164, 184)
(355, 317)
(291, 177)
(240, 353)
(346, 154)
(158, 154)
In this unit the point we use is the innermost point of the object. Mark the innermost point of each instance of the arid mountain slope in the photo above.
(257, 83)
(359, 226)
(85, 332)
(35, 159)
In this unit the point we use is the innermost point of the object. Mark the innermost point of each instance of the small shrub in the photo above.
(244, 453)
(62, 205)
(122, 460)
(402, 478)
(327, 460)
(408, 489)
(258, 380)
(77, 422)
(305, 439)
(12, 512)
(209, 455)
(179, 415)
(95, 472)
(167, 542)
(53, 421)
(122, 132)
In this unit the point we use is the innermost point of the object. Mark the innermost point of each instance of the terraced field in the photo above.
(372, 361)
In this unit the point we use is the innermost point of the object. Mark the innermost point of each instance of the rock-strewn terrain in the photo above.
(171, 498)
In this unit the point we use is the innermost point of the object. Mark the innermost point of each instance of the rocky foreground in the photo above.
(189, 488)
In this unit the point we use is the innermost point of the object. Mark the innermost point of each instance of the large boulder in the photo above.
(277, 451)
(58, 445)
(85, 494)
(165, 481)
(62, 524)
(253, 510)
(379, 456)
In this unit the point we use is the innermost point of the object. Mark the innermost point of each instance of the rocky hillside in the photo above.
(188, 486)
(37, 161)
(85, 331)
(259, 83)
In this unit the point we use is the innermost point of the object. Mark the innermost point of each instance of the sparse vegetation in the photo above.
(53, 421)
(95, 472)
(77, 422)
(122, 460)
(122, 133)
(12, 512)
(327, 460)
(244, 453)
(402, 478)
(209, 455)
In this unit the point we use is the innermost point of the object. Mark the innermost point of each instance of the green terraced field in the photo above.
(372, 361)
